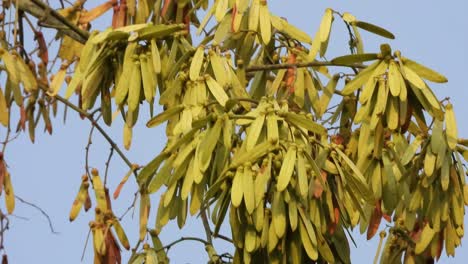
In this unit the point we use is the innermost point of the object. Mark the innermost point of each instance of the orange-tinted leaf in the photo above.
(318, 188)
(122, 183)
(374, 222)
(165, 8)
(96, 12)
(291, 74)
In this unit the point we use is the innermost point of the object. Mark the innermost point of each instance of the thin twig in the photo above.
(107, 165)
(168, 246)
(98, 127)
(130, 207)
(270, 67)
(206, 226)
(223, 237)
(42, 212)
(85, 245)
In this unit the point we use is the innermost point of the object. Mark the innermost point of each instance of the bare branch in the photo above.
(40, 210)
(51, 18)
(206, 226)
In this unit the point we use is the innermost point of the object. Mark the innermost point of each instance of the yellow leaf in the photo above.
(451, 126)
(197, 62)
(325, 25)
(423, 71)
(9, 193)
(254, 15)
(127, 136)
(155, 56)
(221, 9)
(248, 190)
(287, 169)
(99, 190)
(253, 133)
(216, 90)
(426, 238)
(265, 22)
(79, 200)
(360, 79)
(4, 115)
(237, 187)
(278, 212)
(413, 78)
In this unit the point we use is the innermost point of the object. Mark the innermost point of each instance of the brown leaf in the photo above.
(122, 15)
(187, 19)
(23, 118)
(43, 52)
(87, 204)
(115, 16)
(375, 220)
(108, 200)
(337, 139)
(113, 250)
(336, 218)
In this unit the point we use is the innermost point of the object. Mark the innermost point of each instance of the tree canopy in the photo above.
(263, 130)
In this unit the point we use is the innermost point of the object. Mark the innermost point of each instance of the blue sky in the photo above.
(48, 172)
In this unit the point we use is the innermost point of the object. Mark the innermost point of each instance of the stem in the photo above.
(40, 10)
(42, 212)
(98, 127)
(181, 240)
(270, 67)
(206, 226)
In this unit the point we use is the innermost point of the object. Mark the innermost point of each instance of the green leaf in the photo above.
(302, 122)
(355, 58)
(374, 29)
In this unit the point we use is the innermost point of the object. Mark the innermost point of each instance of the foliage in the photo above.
(260, 130)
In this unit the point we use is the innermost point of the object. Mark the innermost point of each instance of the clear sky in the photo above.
(48, 172)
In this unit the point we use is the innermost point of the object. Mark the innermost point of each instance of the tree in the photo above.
(260, 131)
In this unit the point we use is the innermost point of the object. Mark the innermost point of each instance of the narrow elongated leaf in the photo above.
(424, 71)
(425, 239)
(374, 29)
(360, 79)
(164, 116)
(216, 90)
(325, 25)
(355, 58)
(265, 23)
(451, 127)
(303, 122)
(287, 169)
(197, 62)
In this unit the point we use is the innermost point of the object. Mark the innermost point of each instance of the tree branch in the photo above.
(181, 240)
(270, 67)
(42, 212)
(52, 19)
(98, 127)
(206, 226)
